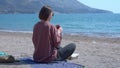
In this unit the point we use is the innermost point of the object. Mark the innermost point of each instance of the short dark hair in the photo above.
(45, 12)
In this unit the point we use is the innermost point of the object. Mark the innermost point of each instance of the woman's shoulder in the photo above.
(37, 23)
(52, 26)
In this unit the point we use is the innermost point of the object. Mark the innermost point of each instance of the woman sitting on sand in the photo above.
(47, 39)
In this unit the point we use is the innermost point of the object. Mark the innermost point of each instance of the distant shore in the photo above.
(95, 52)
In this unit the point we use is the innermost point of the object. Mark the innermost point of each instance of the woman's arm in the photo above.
(34, 38)
(56, 36)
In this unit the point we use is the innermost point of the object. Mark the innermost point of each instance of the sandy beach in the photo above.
(95, 52)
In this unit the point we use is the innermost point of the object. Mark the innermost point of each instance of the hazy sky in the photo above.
(112, 5)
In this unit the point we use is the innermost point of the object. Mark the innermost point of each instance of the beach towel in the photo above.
(54, 64)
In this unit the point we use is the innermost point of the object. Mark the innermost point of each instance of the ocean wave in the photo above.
(95, 34)
(12, 31)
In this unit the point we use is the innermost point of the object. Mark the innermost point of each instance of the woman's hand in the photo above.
(59, 29)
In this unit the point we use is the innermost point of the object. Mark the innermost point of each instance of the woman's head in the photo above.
(45, 13)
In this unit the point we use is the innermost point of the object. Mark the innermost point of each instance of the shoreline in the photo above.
(95, 34)
(73, 36)
(94, 52)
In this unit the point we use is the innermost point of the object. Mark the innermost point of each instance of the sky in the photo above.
(112, 5)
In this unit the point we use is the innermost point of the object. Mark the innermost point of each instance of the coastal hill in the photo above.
(59, 6)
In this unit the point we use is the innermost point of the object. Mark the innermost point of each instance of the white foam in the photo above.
(16, 31)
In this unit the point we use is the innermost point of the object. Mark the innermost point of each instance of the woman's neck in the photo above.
(45, 21)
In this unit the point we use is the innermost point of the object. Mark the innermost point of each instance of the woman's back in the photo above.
(44, 49)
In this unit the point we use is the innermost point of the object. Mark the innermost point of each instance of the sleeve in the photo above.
(34, 38)
(55, 37)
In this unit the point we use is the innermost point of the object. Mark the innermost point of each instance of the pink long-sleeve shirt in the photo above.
(45, 39)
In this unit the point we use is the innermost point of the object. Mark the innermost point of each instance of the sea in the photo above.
(100, 25)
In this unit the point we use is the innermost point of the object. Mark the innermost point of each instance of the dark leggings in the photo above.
(65, 52)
